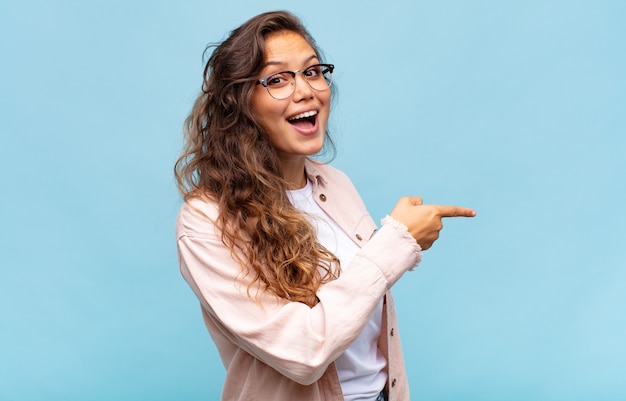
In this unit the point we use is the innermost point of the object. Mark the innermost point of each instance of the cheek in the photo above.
(326, 112)
(272, 122)
(325, 99)
(267, 112)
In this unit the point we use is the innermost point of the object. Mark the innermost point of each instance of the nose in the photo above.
(302, 90)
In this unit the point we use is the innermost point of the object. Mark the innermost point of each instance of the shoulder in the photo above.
(197, 217)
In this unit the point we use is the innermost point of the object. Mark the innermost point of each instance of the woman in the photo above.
(279, 248)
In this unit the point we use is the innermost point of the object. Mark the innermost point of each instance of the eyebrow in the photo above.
(280, 63)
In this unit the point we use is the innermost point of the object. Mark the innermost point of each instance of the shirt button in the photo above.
(393, 383)
(391, 332)
(359, 237)
(323, 197)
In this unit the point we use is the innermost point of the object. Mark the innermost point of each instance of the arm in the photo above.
(296, 340)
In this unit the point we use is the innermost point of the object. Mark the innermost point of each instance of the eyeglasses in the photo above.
(281, 85)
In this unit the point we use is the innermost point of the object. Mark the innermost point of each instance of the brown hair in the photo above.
(228, 158)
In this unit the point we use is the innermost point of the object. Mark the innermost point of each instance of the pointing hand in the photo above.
(424, 221)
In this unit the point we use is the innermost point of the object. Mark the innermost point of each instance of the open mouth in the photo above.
(304, 120)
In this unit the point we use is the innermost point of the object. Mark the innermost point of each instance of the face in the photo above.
(296, 125)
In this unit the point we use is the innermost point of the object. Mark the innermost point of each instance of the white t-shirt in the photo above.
(361, 368)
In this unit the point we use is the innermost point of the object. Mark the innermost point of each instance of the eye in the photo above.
(277, 80)
(313, 71)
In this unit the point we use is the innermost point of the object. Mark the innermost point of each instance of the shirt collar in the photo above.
(313, 173)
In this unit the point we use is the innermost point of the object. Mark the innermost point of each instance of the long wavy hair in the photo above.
(229, 159)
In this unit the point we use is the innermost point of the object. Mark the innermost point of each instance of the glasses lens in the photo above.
(280, 85)
(319, 76)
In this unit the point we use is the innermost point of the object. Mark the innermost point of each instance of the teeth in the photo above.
(304, 115)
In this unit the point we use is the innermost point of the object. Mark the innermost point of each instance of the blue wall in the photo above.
(516, 109)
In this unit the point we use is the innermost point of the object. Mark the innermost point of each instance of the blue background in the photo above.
(516, 109)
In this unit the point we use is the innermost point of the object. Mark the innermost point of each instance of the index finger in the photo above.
(455, 211)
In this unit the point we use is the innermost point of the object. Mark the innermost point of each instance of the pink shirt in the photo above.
(274, 349)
